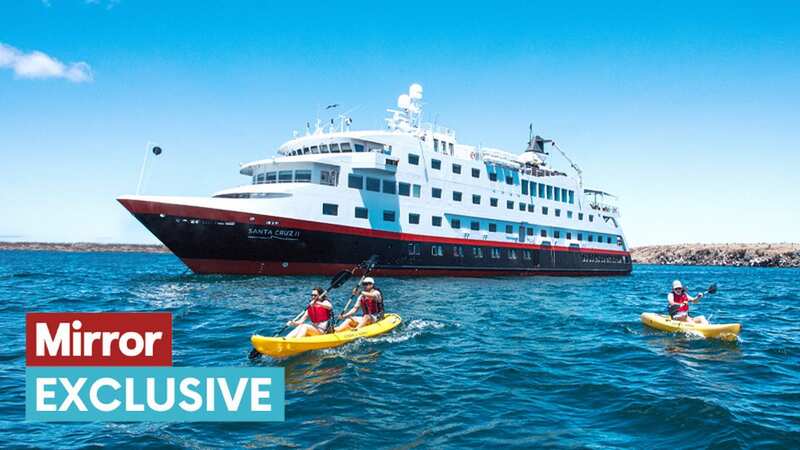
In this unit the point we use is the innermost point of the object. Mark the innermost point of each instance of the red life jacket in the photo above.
(318, 313)
(682, 299)
(370, 304)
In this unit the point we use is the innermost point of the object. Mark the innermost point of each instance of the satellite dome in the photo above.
(415, 91)
(404, 101)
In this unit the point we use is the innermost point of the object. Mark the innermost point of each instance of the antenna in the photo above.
(572, 164)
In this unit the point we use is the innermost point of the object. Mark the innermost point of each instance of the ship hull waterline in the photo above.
(218, 241)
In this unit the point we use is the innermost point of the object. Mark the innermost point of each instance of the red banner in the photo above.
(98, 339)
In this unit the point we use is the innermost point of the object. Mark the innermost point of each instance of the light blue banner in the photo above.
(154, 394)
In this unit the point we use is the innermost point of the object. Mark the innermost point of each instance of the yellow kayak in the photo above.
(282, 347)
(727, 331)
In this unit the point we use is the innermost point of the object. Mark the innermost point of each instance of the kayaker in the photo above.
(679, 300)
(319, 311)
(370, 302)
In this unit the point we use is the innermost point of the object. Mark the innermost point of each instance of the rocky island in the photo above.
(742, 255)
(83, 247)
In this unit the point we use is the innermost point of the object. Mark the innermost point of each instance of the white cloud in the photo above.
(40, 65)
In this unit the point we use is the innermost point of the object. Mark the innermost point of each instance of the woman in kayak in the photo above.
(679, 300)
(319, 310)
(371, 304)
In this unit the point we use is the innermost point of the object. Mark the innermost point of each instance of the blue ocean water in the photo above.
(511, 362)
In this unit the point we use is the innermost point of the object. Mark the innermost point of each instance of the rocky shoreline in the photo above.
(739, 255)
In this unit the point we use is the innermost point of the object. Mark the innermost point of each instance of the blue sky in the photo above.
(688, 112)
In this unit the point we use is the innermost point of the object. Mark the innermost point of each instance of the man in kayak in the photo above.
(371, 304)
(319, 311)
(679, 300)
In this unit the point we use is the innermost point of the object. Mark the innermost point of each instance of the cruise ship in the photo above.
(411, 194)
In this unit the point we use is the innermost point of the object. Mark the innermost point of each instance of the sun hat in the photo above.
(677, 284)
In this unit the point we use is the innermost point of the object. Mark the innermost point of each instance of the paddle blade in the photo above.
(340, 278)
(712, 289)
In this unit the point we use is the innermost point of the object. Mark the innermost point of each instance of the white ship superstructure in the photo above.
(411, 194)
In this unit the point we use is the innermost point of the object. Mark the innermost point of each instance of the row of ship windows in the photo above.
(406, 189)
(343, 147)
(531, 188)
(477, 252)
(331, 209)
(283, 176)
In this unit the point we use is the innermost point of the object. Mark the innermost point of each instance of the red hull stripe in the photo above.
(150, 207)
(243, 267)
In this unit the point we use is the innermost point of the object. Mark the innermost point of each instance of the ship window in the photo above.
(437, 250)
(543, 233)
(509, 179)
(413, 249)
(306, 151)
(608, 239)
(388, 216)
(492, 176)
(334, 148)
(591, 218)
(476, 173)
(355, 181)
(456, 196)
(285, 176)
(436, 193)
(530, 207)
(373, 184)
(580, 236)
(549, 192)
(580, 216)
(533, 189)
(436, 164)
(404, 189)
(359, 148)
(314, 150)
(557, 234)
(416, 190)
(525, 187)
(557, 194)
(455, 223)
(329, 209)
(571, 197)
(527, 254)
(413, 159)
(509, 204)
(457, 168)
(436, 145)
(458, 251)
(529, 231)
(591, 238)
(436, 221)
(477, 252)
(512, 254)
(413, 218)
(509, 228)
(302, 176)
(521, 206)
(476, 199)
(541, 190)
(492, 227)
(389, 187)
(619, 241)
(451, 147)
(323, 148)
(270, 177)
(558, 212)
(544, 210)
(474, 225)
(361, 213)
(569, 214)
(569, 235)
(346, 147)
(496, 253)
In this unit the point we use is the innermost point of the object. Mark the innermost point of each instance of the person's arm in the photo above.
(671, 299)
(302, 319)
